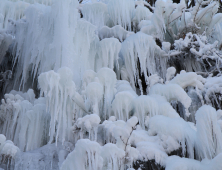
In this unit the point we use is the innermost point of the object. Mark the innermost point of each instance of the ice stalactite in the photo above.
(107, 78)
(96, 13)
(86, 156)
(38, 39)
(59, 91)
(5, 41)
(121, 13)
(113, 157)
(23, 117)
(109, 53)
(209, 136)
(141, 55)
(94, 97)
(122, 105)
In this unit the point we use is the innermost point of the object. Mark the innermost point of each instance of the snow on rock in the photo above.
(88, 123)
(170, 73)
(172, 92)
(209, 136)
(176, 162)
(177, 128)
(185, 79)
(151, 151)
(212, 86)
(119, 131)
(7, 149)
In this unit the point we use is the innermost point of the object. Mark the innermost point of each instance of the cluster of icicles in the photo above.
(89, 80)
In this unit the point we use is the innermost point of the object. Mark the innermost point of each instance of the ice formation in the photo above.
(22, 116)
(172, 92)
(110, 85)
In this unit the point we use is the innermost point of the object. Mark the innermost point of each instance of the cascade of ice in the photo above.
(59, 91)
(140, 56)
(96, 13)
(121, 13)
(23, 117)
(45, 42)
(86, 156)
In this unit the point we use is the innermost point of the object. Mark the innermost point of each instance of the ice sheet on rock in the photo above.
(177, 128)
(172, 92)
(209, 136)
(117, 32)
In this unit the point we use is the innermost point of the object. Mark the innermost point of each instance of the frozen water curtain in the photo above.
(110, 85)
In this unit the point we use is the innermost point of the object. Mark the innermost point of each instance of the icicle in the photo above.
(141, 49)
(59, 90)
(86, 156)
(209, 136)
